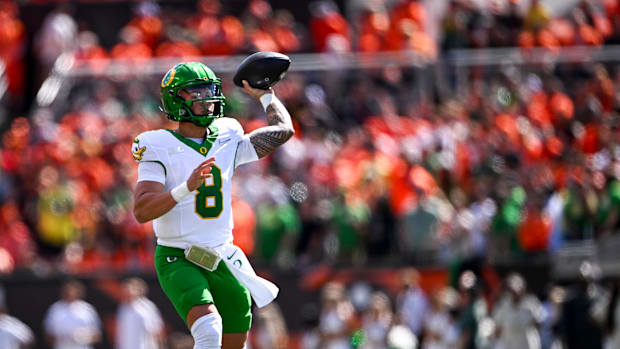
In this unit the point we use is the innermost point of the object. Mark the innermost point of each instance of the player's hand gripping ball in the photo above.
(262, 69)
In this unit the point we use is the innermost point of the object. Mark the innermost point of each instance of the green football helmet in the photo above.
(198, 81)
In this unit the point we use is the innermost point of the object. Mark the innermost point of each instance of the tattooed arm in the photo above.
(266, 139)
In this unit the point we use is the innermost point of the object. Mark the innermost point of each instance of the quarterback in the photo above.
(184, 186)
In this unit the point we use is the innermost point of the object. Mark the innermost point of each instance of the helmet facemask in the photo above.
(201, 102)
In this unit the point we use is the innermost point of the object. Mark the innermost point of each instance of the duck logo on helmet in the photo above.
(168, 77)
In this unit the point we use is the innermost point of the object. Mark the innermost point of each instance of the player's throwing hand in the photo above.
(199, 174)
(255, 92)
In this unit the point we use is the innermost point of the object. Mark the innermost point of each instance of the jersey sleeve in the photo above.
(151, 171)
(145, 153)
(245, 150)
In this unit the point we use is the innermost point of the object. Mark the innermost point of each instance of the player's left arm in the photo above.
(266, 139)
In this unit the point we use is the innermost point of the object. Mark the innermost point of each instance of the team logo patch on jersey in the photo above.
(137, 151)
(167, 80)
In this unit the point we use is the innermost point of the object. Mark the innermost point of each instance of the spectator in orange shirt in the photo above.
(131, 46)
(374, 27)
(12, 41)
(217, 35)
(182, 49)
(561, 108)
(89, 52)
(148, 23)
(535, 227)
(284, 32)
(328, 28)
(409, 9)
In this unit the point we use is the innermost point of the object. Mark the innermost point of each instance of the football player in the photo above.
(184, 186)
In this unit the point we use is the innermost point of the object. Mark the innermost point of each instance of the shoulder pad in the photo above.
(231, 125)
(143, 147)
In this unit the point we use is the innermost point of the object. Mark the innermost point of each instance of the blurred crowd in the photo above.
(160, 29)
(523, 24)
(468, 314)
(384, 167)
(72, 322)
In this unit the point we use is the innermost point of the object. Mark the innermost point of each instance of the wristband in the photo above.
(180, 192)
(267, 99)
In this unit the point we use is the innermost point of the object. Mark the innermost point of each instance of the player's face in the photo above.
(203, 108)
(198, 94)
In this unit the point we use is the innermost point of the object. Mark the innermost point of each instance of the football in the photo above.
(262, 69)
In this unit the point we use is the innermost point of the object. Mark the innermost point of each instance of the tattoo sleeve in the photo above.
(266, 139)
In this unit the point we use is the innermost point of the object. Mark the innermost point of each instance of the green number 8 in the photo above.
(209, 199)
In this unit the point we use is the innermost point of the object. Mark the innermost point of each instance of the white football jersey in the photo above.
(205, 216)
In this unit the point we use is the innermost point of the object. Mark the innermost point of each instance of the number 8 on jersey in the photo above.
(209, 198)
